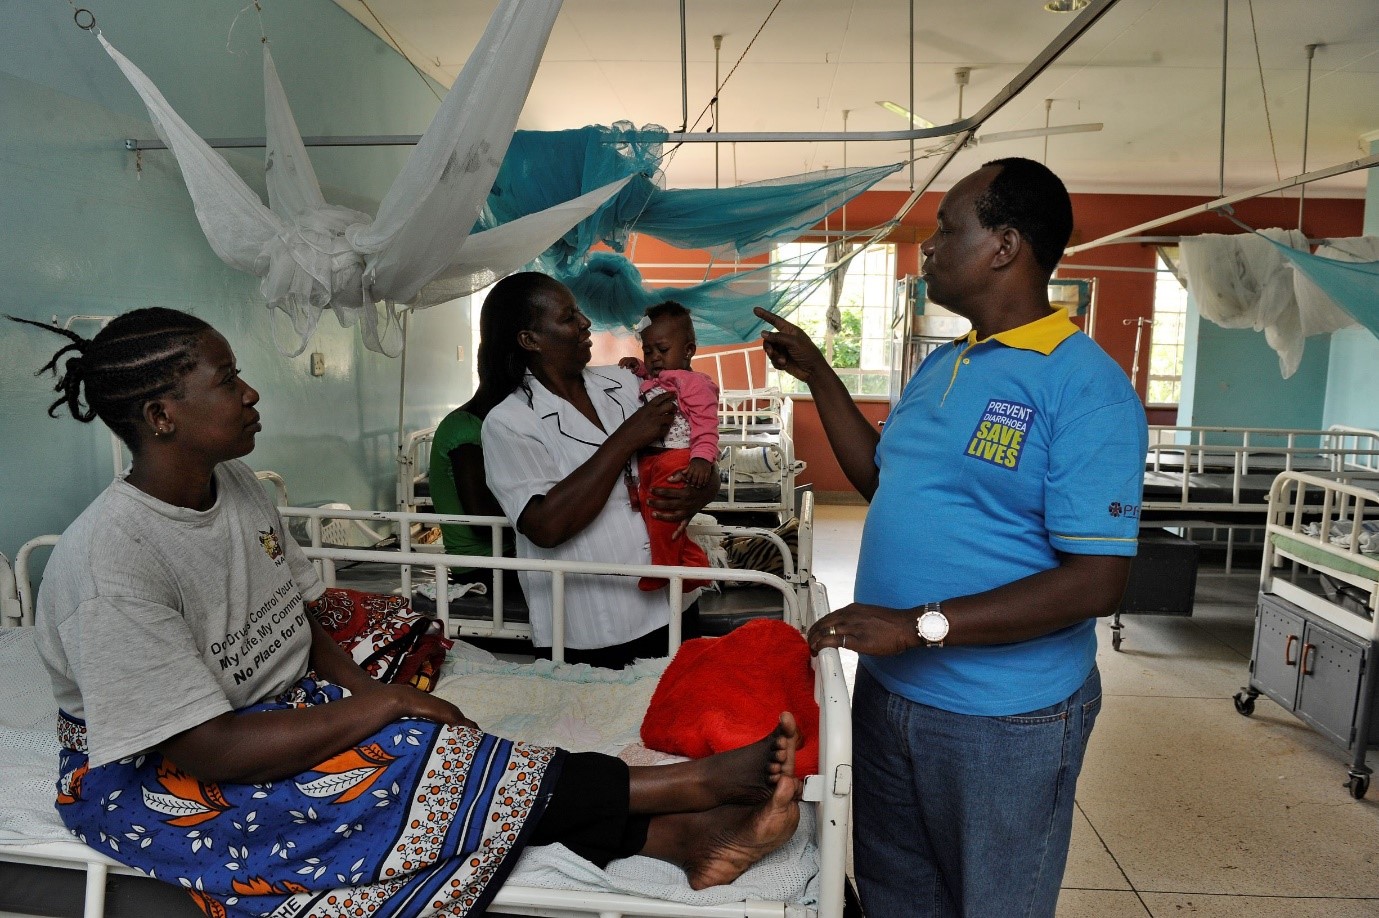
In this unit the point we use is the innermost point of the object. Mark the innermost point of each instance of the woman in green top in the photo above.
(457, 475)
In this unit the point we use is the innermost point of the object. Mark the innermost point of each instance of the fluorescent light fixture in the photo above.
(1039, 132)
(1065, 6)
(898, 109)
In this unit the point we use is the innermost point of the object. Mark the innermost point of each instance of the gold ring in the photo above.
(832, 631)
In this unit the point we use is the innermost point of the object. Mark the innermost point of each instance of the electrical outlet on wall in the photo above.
(318, 363)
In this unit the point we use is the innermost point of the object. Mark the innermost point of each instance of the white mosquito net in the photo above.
(1242, 281)
(418, 249)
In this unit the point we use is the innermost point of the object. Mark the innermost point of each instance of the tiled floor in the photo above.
(1184, 806)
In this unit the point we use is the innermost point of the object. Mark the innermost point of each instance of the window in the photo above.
(1169, 333)
(860, 351)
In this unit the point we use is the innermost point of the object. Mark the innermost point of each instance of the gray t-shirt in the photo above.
(153, 619)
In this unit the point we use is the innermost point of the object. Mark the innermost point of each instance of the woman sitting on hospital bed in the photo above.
(558, 453)
(215, 737)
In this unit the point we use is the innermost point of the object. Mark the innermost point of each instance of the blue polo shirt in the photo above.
(999, 453)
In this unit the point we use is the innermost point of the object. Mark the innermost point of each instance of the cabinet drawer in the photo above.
(1277, 645)
(1329, 682)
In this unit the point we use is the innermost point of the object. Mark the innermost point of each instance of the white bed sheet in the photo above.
(585, 709)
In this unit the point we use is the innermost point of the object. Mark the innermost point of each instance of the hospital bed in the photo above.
(31, 834)
(756, 437)
(1317, 625)
(499, 612)
(414, 470)
(756, 459)
(1217, 479)
(1212, 484)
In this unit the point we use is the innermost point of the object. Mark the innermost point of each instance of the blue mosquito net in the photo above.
(610, 292)
(543, 168)
(1351, 285)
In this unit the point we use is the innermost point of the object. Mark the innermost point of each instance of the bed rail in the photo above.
(407, 557)
(11, 610)
(1312, 533)
(413, 467)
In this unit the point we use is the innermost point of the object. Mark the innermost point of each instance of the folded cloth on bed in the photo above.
(1339, 534)
(583, 708)
(721, 693)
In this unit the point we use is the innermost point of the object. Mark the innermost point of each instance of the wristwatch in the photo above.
(932, 625)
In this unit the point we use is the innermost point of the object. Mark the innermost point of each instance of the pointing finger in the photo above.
(770, 318)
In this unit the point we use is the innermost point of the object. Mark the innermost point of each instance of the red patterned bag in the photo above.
(385, 635)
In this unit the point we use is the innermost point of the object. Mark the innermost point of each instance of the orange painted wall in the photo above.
(1119, 295)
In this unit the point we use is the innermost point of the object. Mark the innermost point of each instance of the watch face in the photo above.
(933, 626)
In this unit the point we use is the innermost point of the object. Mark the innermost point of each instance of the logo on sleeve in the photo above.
(1000, 437)
(269, 540)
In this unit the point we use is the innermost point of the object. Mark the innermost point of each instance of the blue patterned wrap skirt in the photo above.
(417, 819)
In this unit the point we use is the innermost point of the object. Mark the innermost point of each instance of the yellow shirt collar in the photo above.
(1042, 335)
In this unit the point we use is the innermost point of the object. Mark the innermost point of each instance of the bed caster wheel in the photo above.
(1244, 703)
(1358, 785)
(1115, 641)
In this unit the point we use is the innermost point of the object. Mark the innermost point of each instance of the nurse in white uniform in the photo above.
(558, 456)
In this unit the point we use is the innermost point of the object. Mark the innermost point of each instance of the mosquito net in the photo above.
(418, 249)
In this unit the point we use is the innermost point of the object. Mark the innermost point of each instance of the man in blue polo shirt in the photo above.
(1004, 512)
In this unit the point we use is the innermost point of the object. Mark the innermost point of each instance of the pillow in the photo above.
(721, 693)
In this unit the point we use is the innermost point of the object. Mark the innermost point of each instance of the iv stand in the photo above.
(1139, 324)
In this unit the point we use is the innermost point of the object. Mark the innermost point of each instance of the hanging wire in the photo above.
(263, 34)
(1306, 125)
(398, 45)
(719, 88)
(1225, 47)
(1254, 31)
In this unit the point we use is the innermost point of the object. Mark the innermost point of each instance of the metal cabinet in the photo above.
(1310, 668)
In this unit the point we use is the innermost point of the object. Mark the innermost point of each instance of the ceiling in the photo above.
(1149, 70)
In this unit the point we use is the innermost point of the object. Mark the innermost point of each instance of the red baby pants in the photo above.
(653, 470)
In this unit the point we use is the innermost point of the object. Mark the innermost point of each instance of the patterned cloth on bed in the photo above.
(417, 819)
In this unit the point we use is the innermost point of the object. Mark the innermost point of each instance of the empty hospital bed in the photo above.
(31, 834)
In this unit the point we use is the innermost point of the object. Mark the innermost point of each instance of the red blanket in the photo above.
(725, 692)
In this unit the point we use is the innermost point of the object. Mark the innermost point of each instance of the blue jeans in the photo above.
(958, 815)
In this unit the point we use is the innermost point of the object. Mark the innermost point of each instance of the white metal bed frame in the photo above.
(738, 436)
(831, 789)
(1289, 512)
(1179, 453)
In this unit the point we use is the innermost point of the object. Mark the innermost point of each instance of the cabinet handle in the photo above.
(1307, 649)
(1288, 651)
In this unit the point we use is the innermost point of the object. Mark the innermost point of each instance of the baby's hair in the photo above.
(139, 356)
(672, 310)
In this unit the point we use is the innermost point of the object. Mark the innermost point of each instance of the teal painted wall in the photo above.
(1350, 384)
(85, 233)
(1235, 380)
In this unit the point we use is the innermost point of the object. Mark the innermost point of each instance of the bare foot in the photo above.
(745, 837)
(745, 776)
(750, 774)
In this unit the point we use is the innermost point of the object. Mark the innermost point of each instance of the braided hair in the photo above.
(139, 356)
(510, 309)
